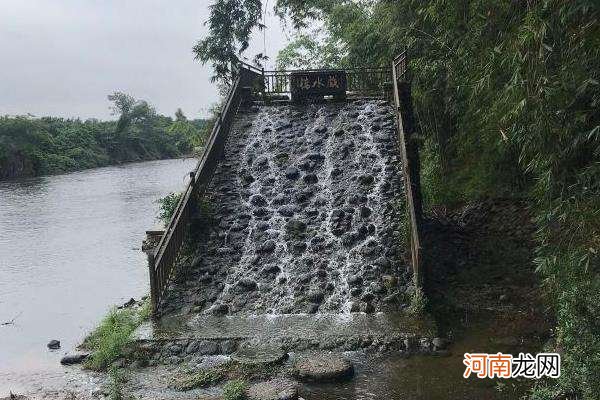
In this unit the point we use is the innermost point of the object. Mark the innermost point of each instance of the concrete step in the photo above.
(295, 331)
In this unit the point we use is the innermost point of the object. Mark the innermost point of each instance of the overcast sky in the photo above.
(63, 57)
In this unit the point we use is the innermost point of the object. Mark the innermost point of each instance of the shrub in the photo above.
(235, 390)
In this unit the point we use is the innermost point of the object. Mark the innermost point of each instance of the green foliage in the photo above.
(506, 97)
(116, 381)
(418, 302)
(168, 204)
(230, 25)
(307, 51)
(37, 146)
(235, 390)
(110, 340)
(200, 379)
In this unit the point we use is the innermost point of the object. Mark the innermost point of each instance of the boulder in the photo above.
(259, 355)
(74, 358)
(322, 367)
(54, 344)
(275, 389)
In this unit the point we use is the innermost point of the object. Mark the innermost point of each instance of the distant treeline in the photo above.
(31, 146)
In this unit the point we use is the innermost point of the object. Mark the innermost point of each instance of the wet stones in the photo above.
(246, 285)
(365, 212)
(355, 280)
(258, 200)
(292, 173)
(307, 165)
(267, 247)
(341, 222)
(350, 238)
(287, 210)
(279, 199)
(295, 228)
(270, 270)
(310, 179)
(261, 162)
(290, 192)
(366, 179)
(219, 309)
(316, 296)
(322, 367)
(207, 347)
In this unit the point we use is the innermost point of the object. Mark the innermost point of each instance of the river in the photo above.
(70, 250)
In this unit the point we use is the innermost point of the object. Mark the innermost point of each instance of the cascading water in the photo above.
(307, 217)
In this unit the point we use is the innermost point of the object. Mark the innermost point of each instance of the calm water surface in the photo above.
(69, 250)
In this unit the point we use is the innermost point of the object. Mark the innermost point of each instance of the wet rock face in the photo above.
(305, 204)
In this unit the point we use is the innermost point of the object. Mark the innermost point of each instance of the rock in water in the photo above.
(275, 389)
(259, 355)
(292, 172)
(75, 358)
(322, 367)
(54, 344)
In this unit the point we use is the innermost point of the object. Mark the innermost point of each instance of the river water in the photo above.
(70, 250)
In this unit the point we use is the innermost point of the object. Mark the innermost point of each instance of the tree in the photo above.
(230, 25)
(179, 115)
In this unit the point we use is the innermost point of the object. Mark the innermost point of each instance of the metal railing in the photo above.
(360, 80)
(162, 260)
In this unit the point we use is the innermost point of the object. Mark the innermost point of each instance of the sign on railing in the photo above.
(355, 80)
(318, 83)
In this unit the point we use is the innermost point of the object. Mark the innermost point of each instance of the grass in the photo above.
(117, 379)
(109, 341)
(235, 390)
(418, 302)
(200, 379)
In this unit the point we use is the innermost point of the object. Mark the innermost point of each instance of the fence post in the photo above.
(153, 289)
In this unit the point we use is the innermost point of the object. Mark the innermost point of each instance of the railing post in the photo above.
(153, 286)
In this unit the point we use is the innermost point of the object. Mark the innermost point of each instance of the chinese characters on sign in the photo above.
(318, 83)
(501, 365)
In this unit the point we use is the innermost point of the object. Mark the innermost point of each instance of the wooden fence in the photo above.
(163, 258)
(409, 152)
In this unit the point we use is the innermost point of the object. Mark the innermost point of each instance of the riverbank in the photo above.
(485, 297)
(72, 242)
(32, 147)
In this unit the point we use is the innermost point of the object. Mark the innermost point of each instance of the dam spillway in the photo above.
(305, 212)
